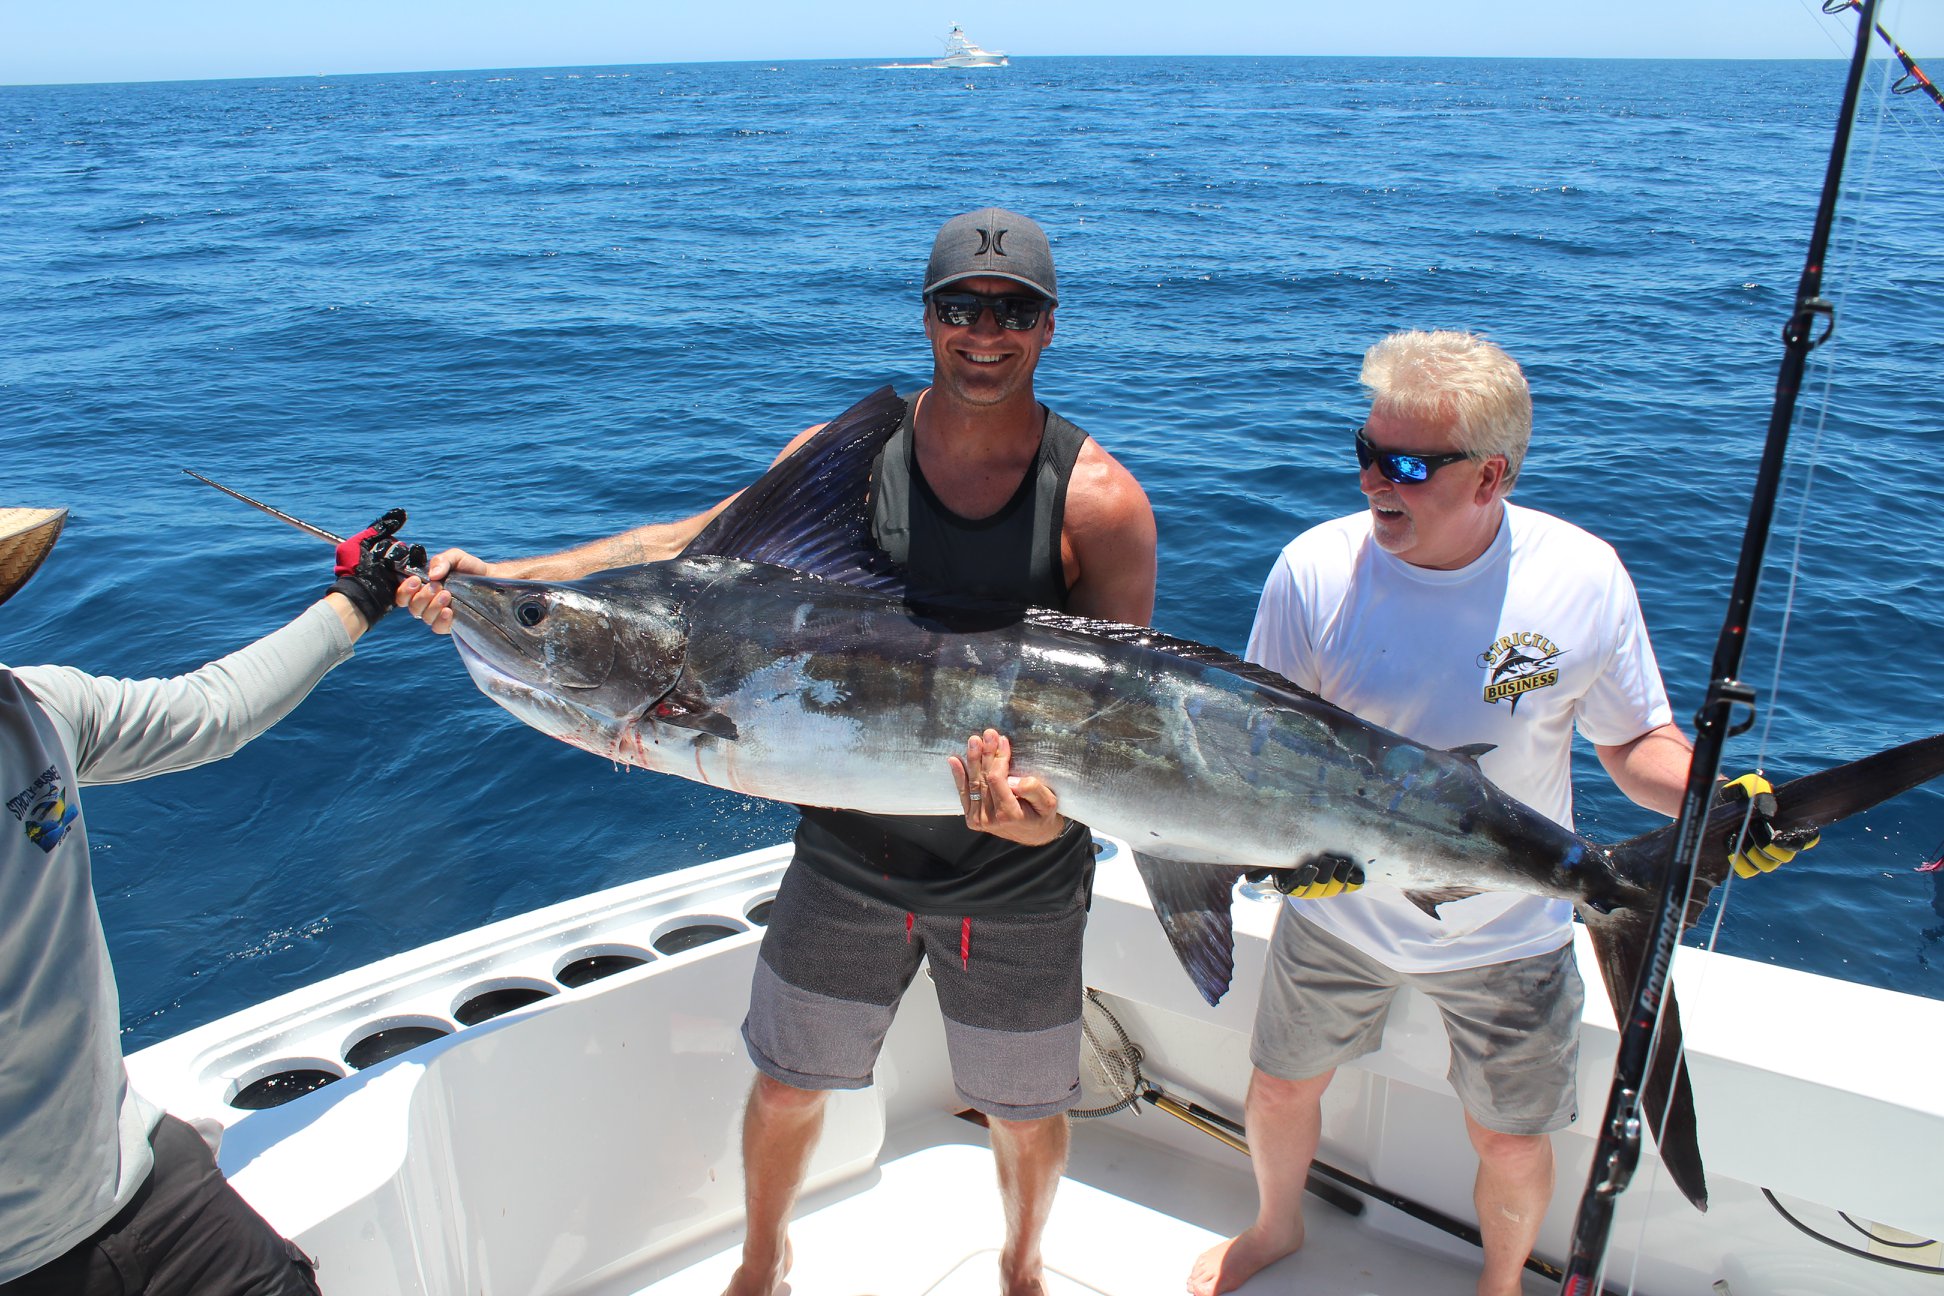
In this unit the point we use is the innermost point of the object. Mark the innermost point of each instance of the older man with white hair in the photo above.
(1449, 615)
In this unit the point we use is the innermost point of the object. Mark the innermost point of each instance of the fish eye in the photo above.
(530, 613)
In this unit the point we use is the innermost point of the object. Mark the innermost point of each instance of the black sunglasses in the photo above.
(1406, 469)
(961, 310)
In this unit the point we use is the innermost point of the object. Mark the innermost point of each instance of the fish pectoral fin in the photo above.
(1474, 752)
(691, 713)
(1428, 899)
(1192, 901)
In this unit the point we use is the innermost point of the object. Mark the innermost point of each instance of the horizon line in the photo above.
(869, 59)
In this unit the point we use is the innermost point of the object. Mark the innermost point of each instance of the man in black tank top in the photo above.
(982, 491)
(937, 865)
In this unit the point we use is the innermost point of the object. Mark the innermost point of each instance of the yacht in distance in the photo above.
(960, 52)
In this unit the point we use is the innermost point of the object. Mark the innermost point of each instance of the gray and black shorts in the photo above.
(1513, 1027)
(835, 962)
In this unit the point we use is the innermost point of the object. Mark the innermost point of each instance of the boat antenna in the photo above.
(1618, 1149)
(1913, 78)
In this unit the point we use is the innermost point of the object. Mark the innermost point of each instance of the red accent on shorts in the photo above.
(965, 943)
(908, 922)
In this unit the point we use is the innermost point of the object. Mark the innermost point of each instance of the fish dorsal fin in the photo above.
(1474, 752)
(812, 511)
(1185, 649)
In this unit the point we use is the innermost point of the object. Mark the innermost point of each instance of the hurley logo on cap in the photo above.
(991, 243)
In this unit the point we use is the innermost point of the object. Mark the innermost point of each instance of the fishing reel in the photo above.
(405, 559)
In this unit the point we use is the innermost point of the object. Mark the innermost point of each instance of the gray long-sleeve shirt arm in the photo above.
(120, 730)
(74, 1133)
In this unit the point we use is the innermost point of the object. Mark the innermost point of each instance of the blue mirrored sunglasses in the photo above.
(1405, 469)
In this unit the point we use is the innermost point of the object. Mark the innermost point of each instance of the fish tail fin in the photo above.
(1620, 945)
(1804, 807)
(1193, 903)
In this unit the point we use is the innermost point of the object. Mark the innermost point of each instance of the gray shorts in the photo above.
(1514, 1027)
(835, 962)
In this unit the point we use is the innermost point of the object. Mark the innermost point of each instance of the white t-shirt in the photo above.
(1543, 631)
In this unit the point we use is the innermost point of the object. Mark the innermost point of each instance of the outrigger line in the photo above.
(1617, 1151)
(1913, 78)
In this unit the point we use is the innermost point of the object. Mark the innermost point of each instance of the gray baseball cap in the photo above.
(992, 243)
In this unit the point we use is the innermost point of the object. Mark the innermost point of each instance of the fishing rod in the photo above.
(1618, 1149)
(407, 558)
(279, 514)
(1913, 78)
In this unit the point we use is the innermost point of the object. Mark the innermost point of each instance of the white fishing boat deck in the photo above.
(1132, 1215)
(588, 1142)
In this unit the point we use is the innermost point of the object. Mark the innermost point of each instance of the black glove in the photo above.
(1316, 878)
(1762, 849)
(370, 565)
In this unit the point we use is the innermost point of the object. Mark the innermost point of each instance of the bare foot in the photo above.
(1227, 1266)
(1022, 1279)
(1032, 1286)
(758, 1279)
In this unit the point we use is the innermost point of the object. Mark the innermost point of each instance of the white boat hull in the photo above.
(588, 1144)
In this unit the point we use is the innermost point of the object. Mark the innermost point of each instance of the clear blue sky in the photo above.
(147, 40)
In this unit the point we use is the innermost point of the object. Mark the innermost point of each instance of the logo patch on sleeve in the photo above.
(45, 809)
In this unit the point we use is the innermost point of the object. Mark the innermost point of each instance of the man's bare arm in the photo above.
(1110, 541)
(1652, 769)
(653, 542)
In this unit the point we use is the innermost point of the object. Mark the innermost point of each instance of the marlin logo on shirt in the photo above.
(45, 809)
(1519, 664)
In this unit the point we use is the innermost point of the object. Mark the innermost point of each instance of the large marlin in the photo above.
(783, 655)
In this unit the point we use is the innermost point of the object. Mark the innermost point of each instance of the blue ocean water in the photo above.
(535, 307)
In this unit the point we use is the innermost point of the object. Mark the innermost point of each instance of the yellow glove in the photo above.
(1318, 877)
(1762, 851)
